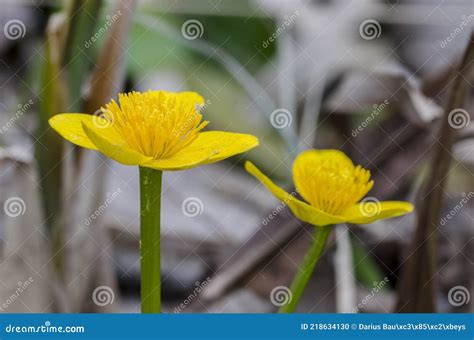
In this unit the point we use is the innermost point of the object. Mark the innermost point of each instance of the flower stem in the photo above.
(150, 208)
(306, 269)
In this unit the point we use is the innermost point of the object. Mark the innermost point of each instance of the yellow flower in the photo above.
(333, 188)
(155, 129)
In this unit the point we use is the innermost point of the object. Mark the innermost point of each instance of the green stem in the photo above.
(150, 207)
(306, 269)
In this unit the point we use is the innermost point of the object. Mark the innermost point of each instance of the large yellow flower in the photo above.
(333, 188)
(154, 129)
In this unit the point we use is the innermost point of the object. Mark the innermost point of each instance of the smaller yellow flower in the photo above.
(333, 187)
(156, 129)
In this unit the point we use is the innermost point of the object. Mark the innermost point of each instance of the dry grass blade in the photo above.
(82, 19)
(49, 148)
(107, 79)
(346, 290)
(417, 290)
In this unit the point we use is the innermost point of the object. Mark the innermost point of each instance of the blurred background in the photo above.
(388, 82)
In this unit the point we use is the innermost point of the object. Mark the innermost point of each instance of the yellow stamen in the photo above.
(156, 123)
(329, 181)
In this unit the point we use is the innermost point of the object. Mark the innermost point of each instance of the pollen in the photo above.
(329, 181)
(156, 123)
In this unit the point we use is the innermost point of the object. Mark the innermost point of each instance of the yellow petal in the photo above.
(111, 144)
(227, 144)
(179, 161)
(329, 181)
(191, 97)
(208, 147)
(69, 126)
(370, 211)
(310, 158)
(302, 210)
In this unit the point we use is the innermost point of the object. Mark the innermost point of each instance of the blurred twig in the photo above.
(244, 261)
(417, 289)
(287, 90)
(344, 271)
(107, 78)
(311, 110)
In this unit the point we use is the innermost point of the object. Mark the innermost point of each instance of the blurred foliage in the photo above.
(366, 268)
(64, 71)
(49, 148)
(241, 37)
(149, 51)
(81, 26)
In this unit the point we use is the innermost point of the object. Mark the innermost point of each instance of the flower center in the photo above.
(156, 123)
(329, 181)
